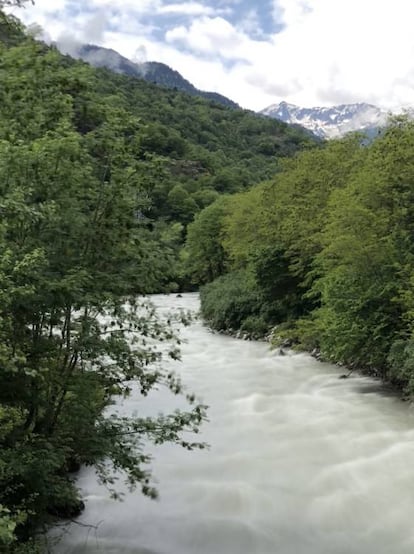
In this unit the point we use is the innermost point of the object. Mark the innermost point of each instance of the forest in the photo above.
(321, 255)
(100, 175)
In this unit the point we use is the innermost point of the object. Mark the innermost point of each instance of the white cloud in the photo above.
(355, 50)
(328, 51)
(94, 29)
(209, 36)
(291, 12)
(127, 6)
(187, 8)
(250, 23)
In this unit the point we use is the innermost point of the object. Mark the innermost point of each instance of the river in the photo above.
(300, 462)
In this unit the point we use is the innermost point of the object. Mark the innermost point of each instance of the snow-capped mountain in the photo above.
(330, 122)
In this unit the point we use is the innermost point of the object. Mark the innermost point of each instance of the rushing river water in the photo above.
(300, 462)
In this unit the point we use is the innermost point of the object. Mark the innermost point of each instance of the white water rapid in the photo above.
(300, 462)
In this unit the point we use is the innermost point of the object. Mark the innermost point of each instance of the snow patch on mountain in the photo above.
(332, 122)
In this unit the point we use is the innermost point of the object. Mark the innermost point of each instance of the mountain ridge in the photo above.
(330, 122)
(321, 121)
(154, 72)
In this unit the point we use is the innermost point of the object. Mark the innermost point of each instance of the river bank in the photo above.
(282, 343)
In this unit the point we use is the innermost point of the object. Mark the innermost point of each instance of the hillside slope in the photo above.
(153, 72)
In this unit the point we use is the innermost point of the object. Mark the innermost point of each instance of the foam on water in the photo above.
(300, 462)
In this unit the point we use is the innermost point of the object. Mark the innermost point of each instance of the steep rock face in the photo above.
(330, 122)
(153, 72)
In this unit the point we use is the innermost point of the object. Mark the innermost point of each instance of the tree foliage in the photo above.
(205, 255)
(78, 252)
(274, 229)
(202, 147)
(328, 244)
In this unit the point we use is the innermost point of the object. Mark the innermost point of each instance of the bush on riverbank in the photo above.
(230, 301)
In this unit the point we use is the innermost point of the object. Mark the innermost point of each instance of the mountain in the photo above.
(153, 72)
(330, 122)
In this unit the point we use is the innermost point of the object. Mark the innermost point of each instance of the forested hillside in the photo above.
(324, 252)
(99, 176)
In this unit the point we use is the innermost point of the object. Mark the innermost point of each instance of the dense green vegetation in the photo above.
(202, 149)
(99, 176)
(325, 253)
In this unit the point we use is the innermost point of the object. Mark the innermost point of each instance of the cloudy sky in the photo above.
(308, 52)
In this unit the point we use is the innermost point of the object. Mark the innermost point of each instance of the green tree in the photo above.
(75, 253)
(205, 256)
(181, 205)
(367, 256)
